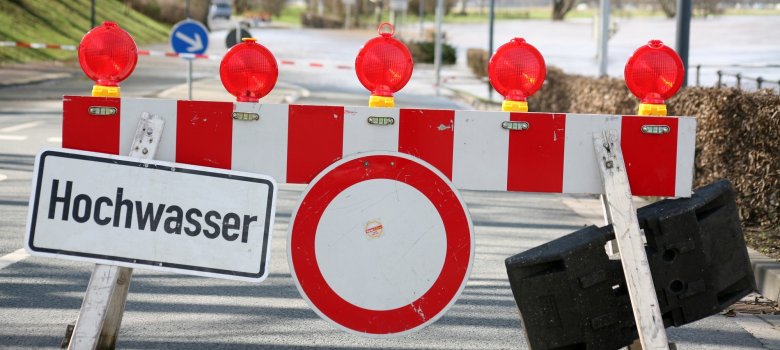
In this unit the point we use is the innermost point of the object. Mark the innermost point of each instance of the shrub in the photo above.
(423, 52)
(312, 20)
(477, 60)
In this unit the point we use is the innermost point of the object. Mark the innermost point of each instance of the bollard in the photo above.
(698, 74)
(720, 76)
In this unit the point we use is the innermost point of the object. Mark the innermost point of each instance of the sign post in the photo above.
(189, 37)
(100, 317)
(620, 212)
(348, 12)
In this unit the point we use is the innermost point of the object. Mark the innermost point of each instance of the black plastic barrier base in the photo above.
(572, 296)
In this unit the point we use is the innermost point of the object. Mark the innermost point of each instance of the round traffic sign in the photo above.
(189, 36)
(381, 244)
(232, 39)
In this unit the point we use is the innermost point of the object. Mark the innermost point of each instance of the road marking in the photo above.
(54, 139)
(20, 127)
(12, 138)
(3, 177)
(14, 257)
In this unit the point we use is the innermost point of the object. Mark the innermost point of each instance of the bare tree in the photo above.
(669, 7)
(561, 8)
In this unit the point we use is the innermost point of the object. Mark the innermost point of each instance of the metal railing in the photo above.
(760, 81)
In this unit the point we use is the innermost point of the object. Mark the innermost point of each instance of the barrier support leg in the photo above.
(104, 302)
(620, 209)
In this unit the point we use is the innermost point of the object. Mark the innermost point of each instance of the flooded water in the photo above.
(571, 45)
(715, 44)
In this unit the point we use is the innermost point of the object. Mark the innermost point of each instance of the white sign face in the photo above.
(150, 214)
(399, 5)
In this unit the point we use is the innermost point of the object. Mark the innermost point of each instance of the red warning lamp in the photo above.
(107, 55)
(384, 66)
(517, 70)
(654, 73)
(248, 71)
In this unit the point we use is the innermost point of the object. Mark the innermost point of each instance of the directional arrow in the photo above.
(195, 43)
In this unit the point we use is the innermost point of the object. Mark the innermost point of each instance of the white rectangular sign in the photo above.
(150, 214)
(399, 5)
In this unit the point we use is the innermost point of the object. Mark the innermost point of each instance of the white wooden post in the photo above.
(620, 210)
(104, 302)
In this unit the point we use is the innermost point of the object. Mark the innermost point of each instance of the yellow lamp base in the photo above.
(381, 101)
(514, 106)
(650, 109)
(105, 91)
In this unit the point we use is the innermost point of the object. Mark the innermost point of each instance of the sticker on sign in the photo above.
(150, 214)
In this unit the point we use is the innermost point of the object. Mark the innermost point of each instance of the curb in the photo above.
(34, 78)
(766, 271)
(479, 103)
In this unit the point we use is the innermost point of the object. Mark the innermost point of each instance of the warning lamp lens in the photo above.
(654, 72)
(107, 54)
(248, 71)
(517, 70)
(384, 64)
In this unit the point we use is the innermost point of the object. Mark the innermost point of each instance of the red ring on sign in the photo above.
(457, 257)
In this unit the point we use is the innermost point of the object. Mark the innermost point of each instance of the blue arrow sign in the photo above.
(189, 36)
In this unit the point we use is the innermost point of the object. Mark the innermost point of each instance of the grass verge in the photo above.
(65, 22)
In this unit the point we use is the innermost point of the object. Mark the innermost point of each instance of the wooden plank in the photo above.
(612, 247)
(639, 281)
(104, 302)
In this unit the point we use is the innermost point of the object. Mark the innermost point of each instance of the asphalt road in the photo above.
(39, 297)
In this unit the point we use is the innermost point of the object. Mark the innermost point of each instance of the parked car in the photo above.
(220, 9)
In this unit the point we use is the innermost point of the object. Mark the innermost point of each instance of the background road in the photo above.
(39, 297)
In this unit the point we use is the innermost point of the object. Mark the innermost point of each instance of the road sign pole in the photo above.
(347, 15)
(491, 24)
(189, 79)
(620, 211)
(421, 13)
(684, 34)
(437, 43)
(603, 36)
(100, 317)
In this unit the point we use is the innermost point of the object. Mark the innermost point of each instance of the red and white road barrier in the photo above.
(498, 151)
(297, 63)
(38, 45)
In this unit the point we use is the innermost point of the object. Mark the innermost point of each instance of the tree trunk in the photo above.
(669, 7)
(561, 8)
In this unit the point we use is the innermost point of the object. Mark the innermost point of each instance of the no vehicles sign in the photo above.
(381, 244)
(150, 214)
